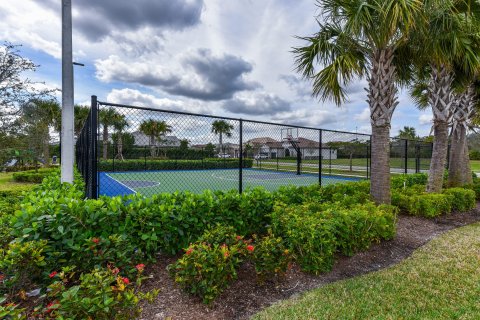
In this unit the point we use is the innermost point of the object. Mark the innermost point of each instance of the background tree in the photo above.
(15, 89)
(155, 130)
(210, 150)
(119, 124)
(357, 39)
(220, 128)
(407, 133)
(107, 118)
(38, 117)
(80, 117)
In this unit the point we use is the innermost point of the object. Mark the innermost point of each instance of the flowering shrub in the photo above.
(102, 294)
(9, 310)
(209, 265)
(206, 269)
(21, 265)
(270, 257)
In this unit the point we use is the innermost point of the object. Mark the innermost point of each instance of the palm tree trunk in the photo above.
(457, 167)
(466, 165)
(439, 157)
(221, 142)
(105, 142)
(440, 99)
(152, 146)
(382, 100)
(380, 178)
(120, 146)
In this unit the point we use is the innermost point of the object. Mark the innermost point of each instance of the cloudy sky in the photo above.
(221, 57)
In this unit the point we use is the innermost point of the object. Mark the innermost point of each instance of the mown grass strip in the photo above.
(439, 281)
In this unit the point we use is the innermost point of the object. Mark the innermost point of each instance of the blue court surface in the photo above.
(154, 182)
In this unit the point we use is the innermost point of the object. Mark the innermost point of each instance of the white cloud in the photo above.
(363, 116)
(425, 119)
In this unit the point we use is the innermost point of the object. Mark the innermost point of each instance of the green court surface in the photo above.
(153, 182)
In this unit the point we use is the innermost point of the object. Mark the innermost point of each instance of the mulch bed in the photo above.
(245, 296)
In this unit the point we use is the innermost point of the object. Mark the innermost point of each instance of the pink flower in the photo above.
(126, 281)
(140, 267)
(53, 274)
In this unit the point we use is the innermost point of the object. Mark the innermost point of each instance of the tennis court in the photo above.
(153, 182)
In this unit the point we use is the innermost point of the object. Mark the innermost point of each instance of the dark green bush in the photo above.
(315, 231)
(474, 155)
(427, 205)
(462, 199)
(33, 176)
(135, 165)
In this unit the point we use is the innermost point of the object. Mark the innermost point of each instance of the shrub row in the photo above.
(133, 165)
(33, 176)
(416, 201)
(315, 232)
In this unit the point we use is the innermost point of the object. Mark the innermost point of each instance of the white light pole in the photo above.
(67, 94)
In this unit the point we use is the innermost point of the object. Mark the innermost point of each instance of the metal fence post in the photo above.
(93, 148)
(406, 156)
(240, 162)
(320, 157)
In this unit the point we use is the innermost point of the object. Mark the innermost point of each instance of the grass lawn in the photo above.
(439, 281)
(475, 165)
(7, 183)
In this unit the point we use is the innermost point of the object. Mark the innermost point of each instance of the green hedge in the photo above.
(33, 176)
(316, 232)
(134, 165)
(462, 199)
(408, 180)
(427, 205)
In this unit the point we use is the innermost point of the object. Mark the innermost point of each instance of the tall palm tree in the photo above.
(357, 39)
(81, 115)
(120, 124)
(107, 119)
(155, 130)
(442, 41)
(221, 127)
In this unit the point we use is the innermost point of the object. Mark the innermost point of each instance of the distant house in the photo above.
(142, 140)
(273, 148)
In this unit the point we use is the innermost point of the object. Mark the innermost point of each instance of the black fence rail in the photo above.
(128, 149)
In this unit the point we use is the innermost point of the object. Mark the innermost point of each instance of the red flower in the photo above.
(126, 281)
(226, 254)
(95, 240)
(2, 277)
(239, 237)
(115, 270)
(189, 251)
(140, 267)
(53, 274)
(250, 248)
(51, 304)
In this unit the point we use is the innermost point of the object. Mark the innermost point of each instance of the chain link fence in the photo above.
(128, 149)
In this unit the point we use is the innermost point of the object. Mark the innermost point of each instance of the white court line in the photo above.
(120, 183)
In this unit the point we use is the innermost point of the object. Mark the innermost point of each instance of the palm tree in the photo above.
(443, 41)
(155, 130)
(39, 116)
(119, 124)
(107, 119)
(356, 39)
(407, 133)
(459, 170)
(81, 115)
(221, 127)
